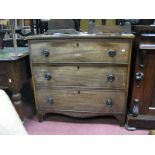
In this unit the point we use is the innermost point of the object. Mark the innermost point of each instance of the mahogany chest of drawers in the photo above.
(81, 75)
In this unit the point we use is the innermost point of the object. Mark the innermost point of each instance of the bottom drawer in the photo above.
(96, 101)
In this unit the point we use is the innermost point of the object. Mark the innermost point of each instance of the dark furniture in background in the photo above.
(14, 72)
(142, 91)
(135, 21)
(14, 63)
(2, 33)
(43, 25)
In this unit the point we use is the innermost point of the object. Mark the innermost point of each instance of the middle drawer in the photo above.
(112, 77)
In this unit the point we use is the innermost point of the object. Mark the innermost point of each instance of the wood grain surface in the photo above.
(81, 100)
(71, 76)
(83, 76)
(94, 50)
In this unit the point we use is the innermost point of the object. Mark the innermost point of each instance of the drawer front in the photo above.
(58, 51)
(95, 101)
(84, 76)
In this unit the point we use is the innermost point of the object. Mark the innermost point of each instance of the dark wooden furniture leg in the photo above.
(17, 101)
(121, 119)
(40, 117)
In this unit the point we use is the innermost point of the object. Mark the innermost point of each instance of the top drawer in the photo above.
(84, 50)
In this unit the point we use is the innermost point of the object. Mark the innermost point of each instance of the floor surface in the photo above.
(60, 126)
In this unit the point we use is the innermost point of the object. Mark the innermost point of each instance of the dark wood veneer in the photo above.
(144, 91)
